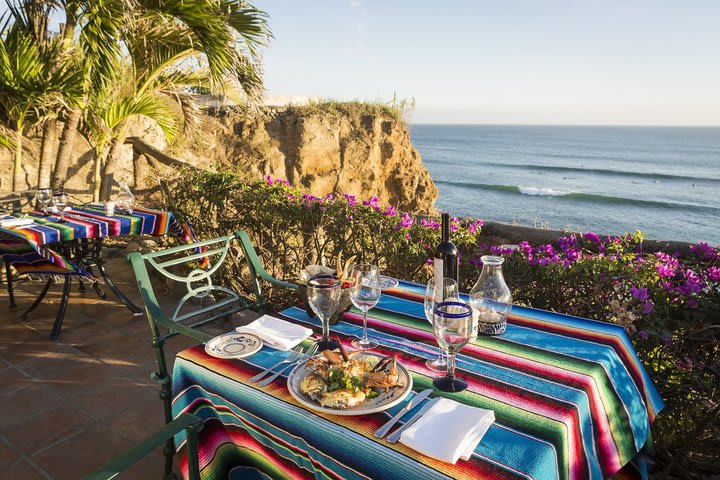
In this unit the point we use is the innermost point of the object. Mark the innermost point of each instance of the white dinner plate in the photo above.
(233, 345)
(387, 282)
(371, 405)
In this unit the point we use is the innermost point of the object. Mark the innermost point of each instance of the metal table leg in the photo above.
(57, 326)
(38, 300)
(100, 263)
(11, 292)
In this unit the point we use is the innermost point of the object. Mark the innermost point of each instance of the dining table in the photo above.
(47, 246)
(570, 396)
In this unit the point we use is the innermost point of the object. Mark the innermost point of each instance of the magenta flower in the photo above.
(713, 274)
(525, 247)
(665, 271)
(593, 237)
(373, 203)
(350, 199)
(407, 220)
(429, 223)
(473, 227)
(390, 211)
(269, 180)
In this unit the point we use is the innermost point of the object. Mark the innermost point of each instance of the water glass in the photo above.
(59, 201)
(45, 197)
(323, 292)
(364, 294)
(435, 293)
(453, 328)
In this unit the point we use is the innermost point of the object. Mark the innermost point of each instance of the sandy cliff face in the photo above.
(325, 153)
(320, 152)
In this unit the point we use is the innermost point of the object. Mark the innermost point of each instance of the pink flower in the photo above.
(713, 274)
(350, 199)
(373, 203)
(390, 211)
(593, 237)
(407, 220)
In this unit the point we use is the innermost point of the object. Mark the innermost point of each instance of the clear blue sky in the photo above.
(635, 62)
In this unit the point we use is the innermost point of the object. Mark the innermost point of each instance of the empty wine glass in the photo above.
(125, 200)
(59, 201)
(45, 197)
(323, 292)
(453, 328)
(364, 294)
(435, 294)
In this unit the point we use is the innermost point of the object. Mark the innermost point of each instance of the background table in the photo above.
(570, 396)
(74, 248)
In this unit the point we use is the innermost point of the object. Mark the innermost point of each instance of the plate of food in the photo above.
(352, 383)
(387, 282)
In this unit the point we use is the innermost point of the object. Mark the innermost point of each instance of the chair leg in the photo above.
(38, 300)
(57, 326)
(11, 292)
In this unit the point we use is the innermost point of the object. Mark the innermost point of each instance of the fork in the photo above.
(293, 357)
(309, 353)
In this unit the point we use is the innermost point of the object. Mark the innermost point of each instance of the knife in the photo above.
(395, 436)
(383, 430)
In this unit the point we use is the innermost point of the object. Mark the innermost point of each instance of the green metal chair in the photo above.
(183, 264)
(187, 421)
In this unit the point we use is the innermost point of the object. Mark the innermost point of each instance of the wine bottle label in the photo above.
(439, 269)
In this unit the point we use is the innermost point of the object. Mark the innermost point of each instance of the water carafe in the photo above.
(490, 298)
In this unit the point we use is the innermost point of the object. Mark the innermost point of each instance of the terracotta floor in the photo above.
(71, 405)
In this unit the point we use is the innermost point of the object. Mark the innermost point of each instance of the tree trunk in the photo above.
(108, 174)
(17, 170)
(47, 153)
(67, 140)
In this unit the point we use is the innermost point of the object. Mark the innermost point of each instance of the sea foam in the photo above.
(549, 192)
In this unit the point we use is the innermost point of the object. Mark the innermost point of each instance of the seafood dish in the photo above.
(348, 379)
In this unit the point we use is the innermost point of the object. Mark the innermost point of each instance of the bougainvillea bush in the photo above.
(669, 304)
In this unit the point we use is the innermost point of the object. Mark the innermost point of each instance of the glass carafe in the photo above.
(490, 297)
(125, 200)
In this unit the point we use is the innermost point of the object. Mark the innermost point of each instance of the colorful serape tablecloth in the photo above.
(570, 396)
(35, 257)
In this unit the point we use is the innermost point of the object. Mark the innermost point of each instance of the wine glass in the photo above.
(59, 201)
(323, 292)
(434, 294)
(125, 200)
(453, 328)
(45, 197)
(364, 294)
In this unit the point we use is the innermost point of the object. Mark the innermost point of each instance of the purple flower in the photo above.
(666, 341)
(454, 224)
(390, 211)
(566, 243)
(713, 274)
(704, 251)
(643, 335)
(473, 227)
(593, 237)
(350, 199)
(269, 180)
(407, 220)
(639, 293)
(407, 235)
(429, 223)
(648, 306)
(525, 247)
(374, 203)
(665, 271)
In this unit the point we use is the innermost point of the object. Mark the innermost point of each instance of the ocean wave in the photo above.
(607, 172)
(543, 192)
(579, 196)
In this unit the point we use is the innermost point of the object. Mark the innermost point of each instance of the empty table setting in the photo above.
(554, 397)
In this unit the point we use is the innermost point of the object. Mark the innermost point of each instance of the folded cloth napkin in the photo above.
(448, 431)
(277, 333)
(16, 222)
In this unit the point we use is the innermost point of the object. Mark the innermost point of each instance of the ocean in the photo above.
(664, 181)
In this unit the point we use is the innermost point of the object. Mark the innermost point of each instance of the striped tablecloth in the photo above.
(26, 248)
(570, 396)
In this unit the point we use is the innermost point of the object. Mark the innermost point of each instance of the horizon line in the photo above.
(562, 125)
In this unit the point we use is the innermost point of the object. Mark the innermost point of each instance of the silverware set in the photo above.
(416, 400)
(296, 355)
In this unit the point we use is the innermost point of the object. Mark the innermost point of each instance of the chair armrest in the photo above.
(186, 421)
(254, 260)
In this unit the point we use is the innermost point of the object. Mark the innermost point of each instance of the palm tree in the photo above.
(34, 79)
(221, 37)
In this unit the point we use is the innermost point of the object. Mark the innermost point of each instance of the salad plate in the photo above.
(233, 345)
(387, 282)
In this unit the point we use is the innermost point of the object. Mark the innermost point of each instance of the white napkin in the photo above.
(16, 222)
(277, 333)
(448, 431)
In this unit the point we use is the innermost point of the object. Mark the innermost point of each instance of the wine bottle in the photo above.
(446, 254)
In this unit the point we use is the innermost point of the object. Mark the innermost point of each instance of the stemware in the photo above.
(45, 197)
(125, 200)
(364, 294)
(59, 201)
(323, 292)
(453, 328)
(435, 293)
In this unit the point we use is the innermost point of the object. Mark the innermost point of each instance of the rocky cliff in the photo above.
(319, 150)
(323, 152)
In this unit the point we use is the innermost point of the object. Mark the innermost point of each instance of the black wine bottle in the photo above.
(446, 254)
